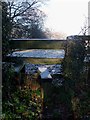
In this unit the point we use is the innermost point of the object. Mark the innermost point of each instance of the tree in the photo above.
(85, 27)
(36, 31)
(74, 70)
(23, 14)
(17, 8)
(30, 24)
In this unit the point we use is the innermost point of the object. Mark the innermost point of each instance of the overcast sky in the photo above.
(66, 16)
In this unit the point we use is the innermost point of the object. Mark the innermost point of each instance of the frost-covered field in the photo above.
(33, 68)
(39, 53)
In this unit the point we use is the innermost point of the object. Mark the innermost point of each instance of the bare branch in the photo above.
(16, 11)
(30, 5)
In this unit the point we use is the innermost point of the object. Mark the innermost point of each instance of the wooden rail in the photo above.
(38, 44)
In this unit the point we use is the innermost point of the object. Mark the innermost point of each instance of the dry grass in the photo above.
(44, 60)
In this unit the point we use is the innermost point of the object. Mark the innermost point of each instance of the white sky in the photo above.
(66, 16)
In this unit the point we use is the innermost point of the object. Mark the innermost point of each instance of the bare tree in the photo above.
(23, 14)
(18, 8)
(85, 27)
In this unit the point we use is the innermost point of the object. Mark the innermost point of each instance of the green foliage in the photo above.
(73, 66)
(6, 30)
(54, 96)
(7, 80)
(17, 103)
(57, 116)
(21, 106)
(73, 63)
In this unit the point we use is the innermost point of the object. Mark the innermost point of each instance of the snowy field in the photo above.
(39, 53)
(46, 72)
(33, 68)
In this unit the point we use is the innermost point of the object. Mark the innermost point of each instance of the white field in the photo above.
(39, 53)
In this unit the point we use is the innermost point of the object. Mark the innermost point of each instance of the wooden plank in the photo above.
(38, 44)
(44, 73)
